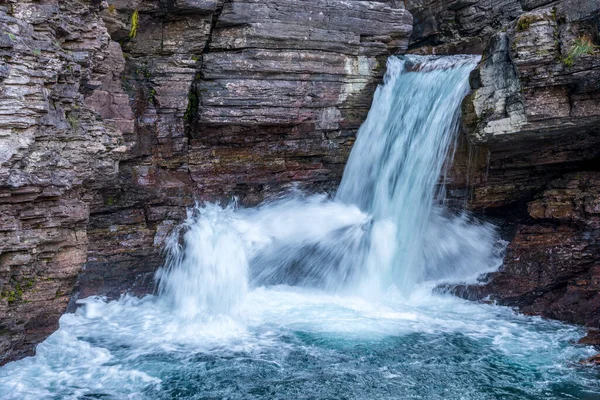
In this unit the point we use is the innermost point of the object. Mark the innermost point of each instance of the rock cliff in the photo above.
(533, 154)
(54, 152)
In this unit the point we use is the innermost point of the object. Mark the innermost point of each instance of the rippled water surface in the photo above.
(301, 343)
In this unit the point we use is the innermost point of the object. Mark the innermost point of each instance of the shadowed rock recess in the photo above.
(116, 116)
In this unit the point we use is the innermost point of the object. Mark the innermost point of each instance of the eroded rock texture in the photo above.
(552, 266)
(460, 26)
(59, 72)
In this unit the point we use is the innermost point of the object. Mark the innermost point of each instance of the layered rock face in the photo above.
(459, 26)
(552, 266)
(118, 115)
(56, 62)
(533, 116)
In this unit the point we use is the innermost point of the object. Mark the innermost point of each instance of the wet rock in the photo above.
(591, 338)
(458, 26)
(552, 265)
(592, 361)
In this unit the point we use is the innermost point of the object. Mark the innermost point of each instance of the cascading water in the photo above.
(375, 233)
(309, 297)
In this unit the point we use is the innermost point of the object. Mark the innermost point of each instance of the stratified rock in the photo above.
(283, 89)
(552, 266)
(459, 26)
(591, 338)
(534, 111)
(59, 76)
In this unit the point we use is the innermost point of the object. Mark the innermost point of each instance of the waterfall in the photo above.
(314, 297)
(384, 228)
(396, 163)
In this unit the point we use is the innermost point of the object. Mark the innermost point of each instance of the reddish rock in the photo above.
(591, 338)
(552, 266)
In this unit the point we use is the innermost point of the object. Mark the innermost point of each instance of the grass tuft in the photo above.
(583, 45)
(135, 23)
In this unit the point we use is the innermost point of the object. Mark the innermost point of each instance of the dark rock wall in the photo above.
(459, 26)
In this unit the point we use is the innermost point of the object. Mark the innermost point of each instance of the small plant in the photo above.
(152, 95)
(112, 8)
(135, 21)
(583, 45)
(37, 52)
(16, 294)
(12, 36)
(193, 102)
(525, 22)
(73, 122)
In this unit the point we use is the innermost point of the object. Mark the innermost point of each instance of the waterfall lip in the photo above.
(426, 63)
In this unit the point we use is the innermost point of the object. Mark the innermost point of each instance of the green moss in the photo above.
(143, 71)
(525, 22)
(73, 122)
(16, 293)
(37, 52)
(135, 22)
(152, 95)
(583, 45)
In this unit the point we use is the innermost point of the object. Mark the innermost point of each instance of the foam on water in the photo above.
(309, 297)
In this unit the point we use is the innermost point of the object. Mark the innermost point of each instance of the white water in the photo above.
(382, 230)
(309, 297)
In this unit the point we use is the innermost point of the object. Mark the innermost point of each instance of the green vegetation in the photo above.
(73, 122)
(583, 45)
(37, 52)
(193, 102)
(112, 8)
(525, 22)
(135, 21)
(12, 36)
(152, 95)
(144, 71)
(16, 294)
